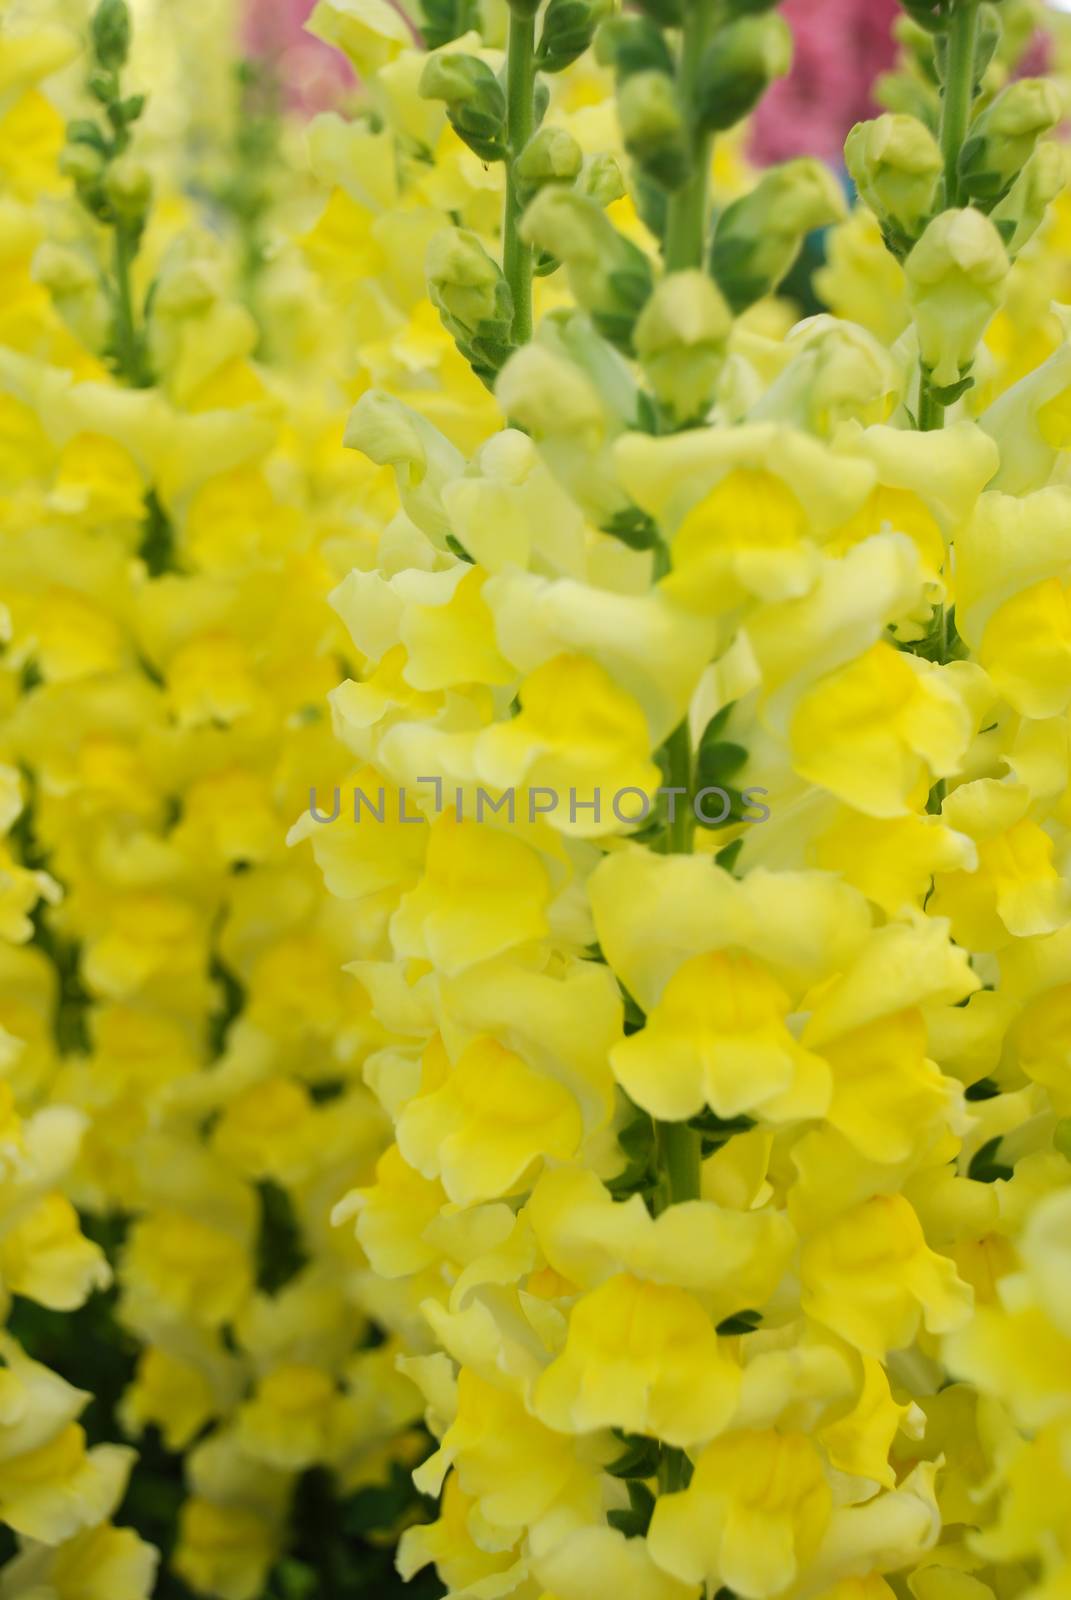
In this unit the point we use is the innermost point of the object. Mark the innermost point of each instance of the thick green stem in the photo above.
(680, 821)
(679, 1148)
(958, 95)
(686, 218)
(931, 410)
(127, 340)
(520, 117)
(957, 101)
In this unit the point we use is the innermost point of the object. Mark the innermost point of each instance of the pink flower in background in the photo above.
(841, 47)
(312, 75)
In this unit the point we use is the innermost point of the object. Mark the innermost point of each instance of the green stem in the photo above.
(686, 218)
(679, 1147)
(671, 1470)
(127, 341)
(520, 117)
(931, 410)
(677, 837)
(957, 100)
(958, 96)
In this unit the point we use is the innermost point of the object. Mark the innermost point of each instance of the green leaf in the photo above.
(634, 528)
(984, 1167)
(639, 1458)
(742, 1322)
(634, 1522)
(446, 20)
(280, 1250)
(109, 34)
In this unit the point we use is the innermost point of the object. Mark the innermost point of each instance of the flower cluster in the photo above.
(181, 1047)
(730, 1164)
(682, 1203)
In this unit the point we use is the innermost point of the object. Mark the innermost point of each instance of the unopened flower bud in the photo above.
(600, 179)
(1003, 138)
(568, 29)
(988, 38)
(550, 156)
(896, 165)
(955, 283)
(758, 237)
(667, 13)
(929, 14)
(186, 288)
(110, 34)
(73, 281)
(368, 32)
(128, 186)
(62, 270)
(653, 127)
(680, 339)
(475, 103)
(631, 44)
(1022, 211)
(472, 297)
(608, 274)
(738, 67)
(550, 395)
(82, 163)
(838, 372)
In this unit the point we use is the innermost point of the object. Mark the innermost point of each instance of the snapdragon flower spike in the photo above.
(550, 923)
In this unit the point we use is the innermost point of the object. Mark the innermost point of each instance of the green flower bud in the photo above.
(548, 396)
(632, 44)
(63, 271)
(1003, 138)
(738, 67)
(83, 163)
(918, 47)
(680, 339)
(988, 39)
(128, 187)
(653, 127)
(475, 103)
(551, 156)
(473, 299)
(102, 86)
(955, 285)
(1061, 1137)
(568, 29)
(838, 372)
(667, 13)
(545, 391)
(897, 166)
(443, 21)
(609, 276)
(600, 179)
(1022, 211)
(932, 15)
(110, 34)
(83, 130)
(73, 281)
(758, 237)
